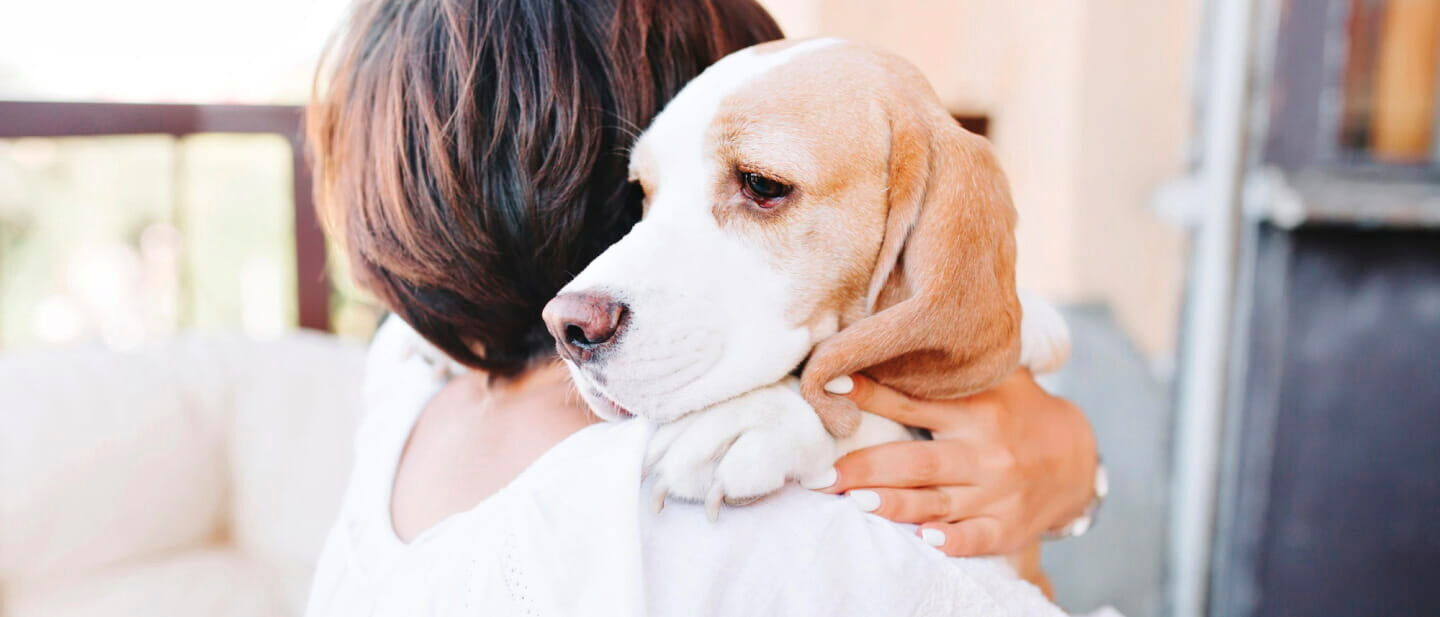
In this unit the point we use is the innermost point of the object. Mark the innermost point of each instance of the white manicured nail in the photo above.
(819, 481)
(933, 537)
(867, 501)
(840, 385)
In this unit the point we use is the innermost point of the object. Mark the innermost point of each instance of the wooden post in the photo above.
(1403, 116)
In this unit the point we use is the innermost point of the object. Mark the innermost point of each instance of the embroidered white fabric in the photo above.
(573, 535)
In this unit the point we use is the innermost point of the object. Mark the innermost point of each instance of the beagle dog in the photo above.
(811, 211)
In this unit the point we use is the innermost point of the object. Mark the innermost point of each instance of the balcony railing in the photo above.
(51, 119)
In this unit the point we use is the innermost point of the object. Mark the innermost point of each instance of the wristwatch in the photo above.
(1086, 520)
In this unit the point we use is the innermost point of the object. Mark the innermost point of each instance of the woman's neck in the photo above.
(545, 390)
(475, 436)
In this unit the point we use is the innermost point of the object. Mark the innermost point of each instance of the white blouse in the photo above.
(573, 535)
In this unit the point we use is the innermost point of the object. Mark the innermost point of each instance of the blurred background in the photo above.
(1237, 202)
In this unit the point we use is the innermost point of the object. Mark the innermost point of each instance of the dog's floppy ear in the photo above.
(944, 317)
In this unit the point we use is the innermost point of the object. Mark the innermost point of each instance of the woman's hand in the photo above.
(1005, 466)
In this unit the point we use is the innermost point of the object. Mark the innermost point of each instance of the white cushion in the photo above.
(191, 583)
(114, 465)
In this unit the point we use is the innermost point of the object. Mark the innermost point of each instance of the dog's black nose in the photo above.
(583, 322)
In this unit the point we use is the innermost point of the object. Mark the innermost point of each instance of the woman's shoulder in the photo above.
(795, 553)
(799, 552)
(396, 355)
(395, 387)
(398, 379)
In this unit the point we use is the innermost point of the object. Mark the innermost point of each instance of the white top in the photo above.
(573, 535)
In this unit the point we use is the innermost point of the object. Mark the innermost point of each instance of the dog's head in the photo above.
(786, 188)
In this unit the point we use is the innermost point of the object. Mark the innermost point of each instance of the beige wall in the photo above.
(1089, 112)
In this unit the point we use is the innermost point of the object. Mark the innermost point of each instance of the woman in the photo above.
(470, 157)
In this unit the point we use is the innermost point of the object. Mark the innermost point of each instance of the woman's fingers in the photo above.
(883, 401)
(982, 535)
(919, 505)
(906, 464)
(1004, 464)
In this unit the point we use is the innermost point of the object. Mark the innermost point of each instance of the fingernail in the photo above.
(933, 537)
(840, 385)
(867, 501)
(822, 480)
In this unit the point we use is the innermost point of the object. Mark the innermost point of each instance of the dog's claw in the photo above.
(712, 503)
(657, 502)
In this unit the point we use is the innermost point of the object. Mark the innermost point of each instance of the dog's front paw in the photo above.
(740, 450)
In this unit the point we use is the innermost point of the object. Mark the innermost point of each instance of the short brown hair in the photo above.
(470, 155)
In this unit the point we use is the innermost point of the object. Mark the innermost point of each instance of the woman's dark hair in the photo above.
(470, 155)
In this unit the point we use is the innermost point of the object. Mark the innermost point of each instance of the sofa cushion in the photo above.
(290, 448)
(109, 459)
(105, 456)
(213, 583)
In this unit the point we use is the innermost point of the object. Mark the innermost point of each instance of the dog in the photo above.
(811, 211)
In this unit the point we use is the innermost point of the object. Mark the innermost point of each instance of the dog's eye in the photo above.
(761, 189)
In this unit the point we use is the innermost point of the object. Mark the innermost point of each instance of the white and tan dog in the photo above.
(810, 204)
